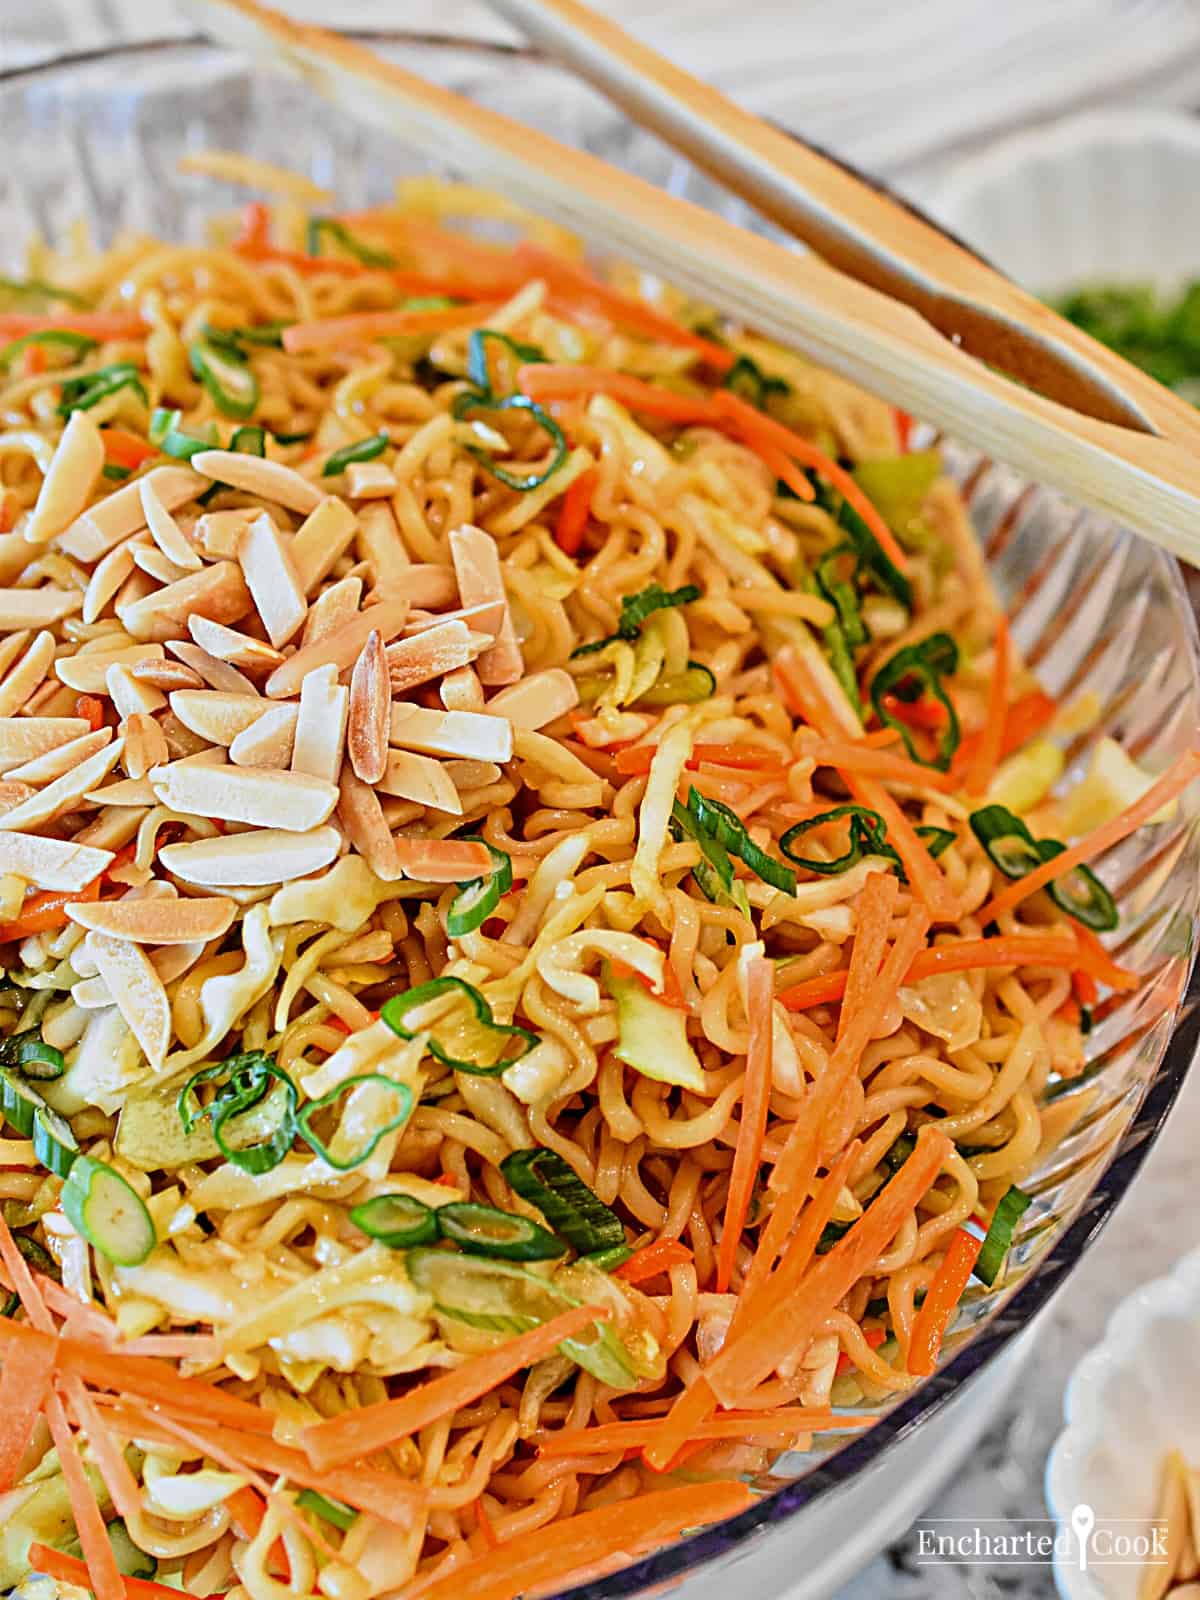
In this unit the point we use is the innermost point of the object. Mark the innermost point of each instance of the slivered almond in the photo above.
(66, 791)
(441, 860)
(240, 860)
(466, 775)
(110, 520)
(182, 741)
(536, 700)
(237, 648)
(37, 608)
(370, 700)
(14, 552)
(477, 568)
(361, 815)
(54, 763)
(217, 592)
(87, 672)
(321, 540)
(380, 543)
(427, 655)
(217, 717)
(126, 792)
(161, 920)
(270, 480)
(321, 727)
(461, 690)
(165, 531)
(267, 742)
(340, 649)
(15, 644)
(166, 675)
(369, 480)
(14, 794)
(487, 617)
(136, 587)
(51, 863)
(27, 674)
(219, 533)
(149, 558)
(68, 485)
(331, 610)
(136, 988)
(426, 585)
(129, 695)
(106, 579)
(211, 669)
(265, 799)
(272, 579)
(420, 778)
(23, 738)
(145, 745)
(450, 733)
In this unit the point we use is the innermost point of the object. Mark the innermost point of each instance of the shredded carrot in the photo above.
(248, 1510)
(690, 1410)
(358, 1434)
(983, 763)
(93, 324)
(347, 333)
(1084, 986)
(1172, 783)
(1096, 964)
(795, 1252)
(21, 1279)
(752, 1127)
(103, 1576)
(670, 995)
(549, 381)
(652, 1259)
(573, 513)
(805, 697)
(745, 757)
(1025, 719)
(904, 425)
(824, 989)
(785, 1423)
(941, 1301)
(108, 1455)
(125, 449)
(877, 738)
(930, 716)
(255, 229)
(926, 877)
(874, 1337)
(35, 360)
(754, 424)
(44, 911)
(848, 757)
(68, 1569)
(91, 708)
(484, 1523)
(24, 1386)
(1069, 1011)
(591, 1542)
(872, 921)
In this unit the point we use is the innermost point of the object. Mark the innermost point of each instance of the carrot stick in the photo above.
(103, 1576)
(484, 1523)
(21, 1279)
(799, 1249)
(847, 757)
(690, 1411)
(125, 449)
(1172, 783)
(24, 1385)
(44, 911)
(358, 1434)
(160, 1384)
(93, 324)
(983, 763)
(548, 381)
(1099, 967)
(109, 1457)
(805, 696)
(590, 1543)
(743, 756)
(824, 989)
(609, 1436)
(248, 1510)
(941, 1302)
(347, 333)
(754, 424)
(653, 1259)
(790, 1320)
(756, 1095)
(69, 1569)
(927, 878)
(573, 514)
(1025, 718)
(873, 918)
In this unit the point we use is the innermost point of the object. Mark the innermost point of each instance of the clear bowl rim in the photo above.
(863, 1452)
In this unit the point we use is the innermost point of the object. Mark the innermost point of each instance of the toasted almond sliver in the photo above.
(68, 485)
(220, 533)
(126, 792)
(269, 479)
(27, 674)
(107, 577)
(272, 579)
(339, 650)
(14, 794)
(427, 655)
(480, 577)
(380, 543)
(166, 675)
(426, 585)
(450, 733)
(136, 988)
(16, 643)
(536, 700)
(331, 610)
(321, 727)
(165, 531)
(369, 480)
(487, 617)
(360, 813)
(157, 921)
(110, 520)
(441, 860)
(265, 799)
(150, 559)
(63, 793)
(145, 745)
(267, 742)
(420, 778)
(461, 690)
(237, 648)
(217, 717)
(218, 674)
(129, 695)
(24, 738)
(46, 768)
(37, 608)
(370, 700)
(238, 860)
(52, 863)
(321, 540)
(87, 673)
(217, 592)
(468, 775)
(136, 587)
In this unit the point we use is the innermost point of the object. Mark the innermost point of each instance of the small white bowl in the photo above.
(1132, 1399)
(1106, 196)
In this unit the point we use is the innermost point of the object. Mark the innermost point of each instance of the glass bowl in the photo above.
(99, 137)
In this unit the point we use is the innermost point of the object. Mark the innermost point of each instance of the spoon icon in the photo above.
(1083, 1521)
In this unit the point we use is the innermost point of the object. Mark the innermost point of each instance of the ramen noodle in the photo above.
(537, 903)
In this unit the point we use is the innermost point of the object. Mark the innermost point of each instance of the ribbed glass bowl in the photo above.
(98, 137)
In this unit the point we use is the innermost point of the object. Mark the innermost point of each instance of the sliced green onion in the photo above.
(484, 1231)
(998, 1240)
(477, 361)
(746, 378)
(872, 557)
(1014, 851)
(76, 344)
(292, 438)
(609, 1260)
(1007, 840)
(115, 472)
(714, 873)
(132, 1561)
(490, 1039)
(923, 665)
(686, 688)
(340, 234)
(243, 1081)
(31, 1056)
(936, 840)
(867, 837)
(18, 1101)
(343, 1517)
(400, 1221)
(82, 393)
(544, 1179)
(227, 376)
(841, 659)
(635, 609)
(165, 432)
(838, 588)
(54, 1145)
(724, 825)
(465, 403)
(36, 1256)
(108, 1212)
(267, 335)
(897, 486)
(477, 899)
(26, 289)
(304, 1119)
(250, 441)
(363, 450)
